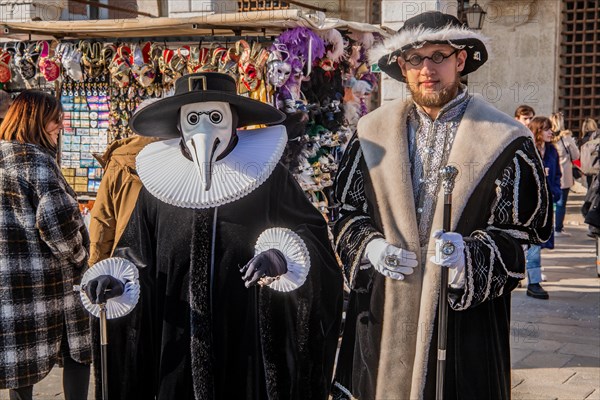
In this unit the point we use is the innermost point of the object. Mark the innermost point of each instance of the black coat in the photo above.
(202, 334)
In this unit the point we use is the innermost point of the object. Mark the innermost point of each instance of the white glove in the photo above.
(389, 260)
(449, 250)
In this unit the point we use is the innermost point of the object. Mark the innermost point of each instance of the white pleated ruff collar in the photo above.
(173, 179)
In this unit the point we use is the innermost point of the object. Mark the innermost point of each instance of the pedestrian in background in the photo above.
(557, 120)
(43, 253)
(118, 193)
(589, 131)
(524, 114)
(567, 153)
(589, 146)
(541, 127)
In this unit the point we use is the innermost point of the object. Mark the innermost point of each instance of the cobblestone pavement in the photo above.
(555, 343)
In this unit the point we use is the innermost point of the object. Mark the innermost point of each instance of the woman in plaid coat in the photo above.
(43, 253)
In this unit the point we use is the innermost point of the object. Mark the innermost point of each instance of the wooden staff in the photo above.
(104, 350)
(448, 175)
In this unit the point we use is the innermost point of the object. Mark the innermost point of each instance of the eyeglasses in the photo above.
(437, 57)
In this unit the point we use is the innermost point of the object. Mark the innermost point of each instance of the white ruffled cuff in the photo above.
(296, 254)
(456, 277)
(125, 271)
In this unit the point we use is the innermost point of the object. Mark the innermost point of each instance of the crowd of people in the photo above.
(240, 291)
(560, 153)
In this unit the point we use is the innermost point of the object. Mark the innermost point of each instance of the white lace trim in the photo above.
(351, 175)
(344, 390)
(516, 192)
(511, 232)
(488, 287)
(470, 289)
(173, 179)
(358, 259)
(125, 271)
(347, 226)
(539, 186)
(295, 251)
(491, 220)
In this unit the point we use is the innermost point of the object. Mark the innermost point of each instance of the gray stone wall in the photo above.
(524, 65)
(524, 58)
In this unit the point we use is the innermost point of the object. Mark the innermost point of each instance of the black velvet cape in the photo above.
(200, 334)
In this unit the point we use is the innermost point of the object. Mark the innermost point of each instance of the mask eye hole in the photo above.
(215, 117)
(193, 118)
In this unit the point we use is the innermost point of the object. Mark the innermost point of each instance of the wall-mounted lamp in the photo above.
(473, 15)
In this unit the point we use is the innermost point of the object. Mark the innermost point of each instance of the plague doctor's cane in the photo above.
(116, 307)
(448, 175)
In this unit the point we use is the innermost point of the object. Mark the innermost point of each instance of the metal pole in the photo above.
(104, 350)
(598, 255)
(448, 175)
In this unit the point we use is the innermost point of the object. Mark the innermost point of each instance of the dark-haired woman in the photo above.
(43, 253)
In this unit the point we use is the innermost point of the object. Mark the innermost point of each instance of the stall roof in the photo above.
(256, 23)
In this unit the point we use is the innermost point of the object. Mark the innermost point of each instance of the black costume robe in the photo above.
(199, 333)
(504, 204)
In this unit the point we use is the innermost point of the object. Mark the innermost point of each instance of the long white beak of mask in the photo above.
(206, 129)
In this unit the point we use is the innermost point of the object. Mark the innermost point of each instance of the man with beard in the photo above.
(389, 188)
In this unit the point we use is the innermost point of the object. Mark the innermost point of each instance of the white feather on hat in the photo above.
(417, 37)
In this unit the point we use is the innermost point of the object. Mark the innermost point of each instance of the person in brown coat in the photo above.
(117, 196)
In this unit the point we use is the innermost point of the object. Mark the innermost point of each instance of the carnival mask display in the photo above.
(251, 64)
(143, 67)
(26, 58)
(278, 73)
(5, 73)
(70, 57)
(48, 63)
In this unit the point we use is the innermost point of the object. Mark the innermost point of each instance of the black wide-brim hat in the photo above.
(160, 118)
(430, 27)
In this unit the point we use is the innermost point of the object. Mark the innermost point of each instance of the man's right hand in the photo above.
(390, 260)
(102, 288)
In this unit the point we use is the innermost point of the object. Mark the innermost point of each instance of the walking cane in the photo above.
(448, 175)
(123, 270)
(104, 351)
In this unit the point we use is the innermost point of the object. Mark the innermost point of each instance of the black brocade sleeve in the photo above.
(354, 229)
(520, 214)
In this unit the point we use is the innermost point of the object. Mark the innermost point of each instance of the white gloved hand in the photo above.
(449, 250)
(390, 260)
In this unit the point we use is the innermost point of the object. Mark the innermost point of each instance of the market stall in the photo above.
(311, 67)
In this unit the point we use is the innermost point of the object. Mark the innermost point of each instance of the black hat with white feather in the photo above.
(430, 27)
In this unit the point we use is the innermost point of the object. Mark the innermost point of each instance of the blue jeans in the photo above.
(561, 208)
(533, 264)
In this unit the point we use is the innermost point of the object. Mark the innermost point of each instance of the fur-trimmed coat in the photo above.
(500, 201)
(43, 253)
(198, 332)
